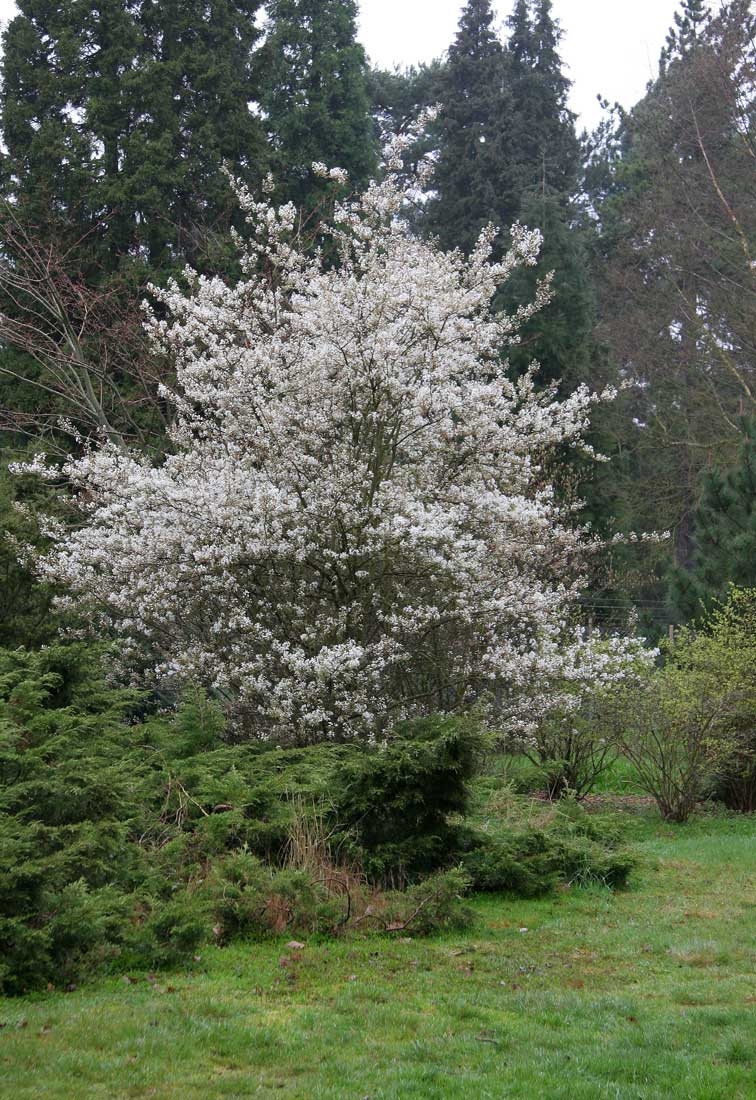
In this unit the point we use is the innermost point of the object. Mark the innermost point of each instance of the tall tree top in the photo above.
(689, 23)
(521, 33)
(546, 147)
(475, 36)
(475, 154)
(117, 116)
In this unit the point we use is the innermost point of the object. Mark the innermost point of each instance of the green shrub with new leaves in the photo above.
(689, 726)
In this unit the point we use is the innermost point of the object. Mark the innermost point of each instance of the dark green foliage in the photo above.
(398, 96)
(560, 336)
(117, 118)
(398, 801)
(689, 24)
(570, 847)
(475, 152)
(672, 196)
(129, 842)
(435, 904)
(25, 616)
(130, 837)
(388, 808)
(725, 536)
(66, 815)
(523, 864)
(543, 174)
(315, 96)
(545, 147)
(734, 784)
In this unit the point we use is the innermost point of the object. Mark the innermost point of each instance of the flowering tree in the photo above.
(354, 524)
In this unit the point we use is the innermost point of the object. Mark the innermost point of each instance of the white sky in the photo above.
(610, 46)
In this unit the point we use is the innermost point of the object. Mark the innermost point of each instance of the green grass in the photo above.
(650, 993)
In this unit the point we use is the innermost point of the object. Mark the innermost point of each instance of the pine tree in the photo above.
(473, 174)
(315, 95)
(689, 24)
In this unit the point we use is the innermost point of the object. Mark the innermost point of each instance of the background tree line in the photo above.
(119, 118)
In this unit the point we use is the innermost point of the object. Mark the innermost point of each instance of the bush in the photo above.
(69, 793)
(399, 801)
(568, 747)
(126, 843)
(569, 752)
(690, 726)
(568, 847)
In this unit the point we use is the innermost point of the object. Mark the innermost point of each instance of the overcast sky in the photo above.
(610, 46)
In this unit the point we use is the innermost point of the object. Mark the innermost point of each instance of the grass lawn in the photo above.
(646, 993)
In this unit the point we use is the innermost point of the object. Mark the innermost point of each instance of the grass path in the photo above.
(650, 993)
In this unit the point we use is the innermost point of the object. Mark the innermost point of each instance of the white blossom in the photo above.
(353, 524)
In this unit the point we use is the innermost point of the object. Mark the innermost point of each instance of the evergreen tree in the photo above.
(398, 96)
(47, 163)
(546, 149)
(117, 117)
(725, 535)
(676, 226)
(473, 178)
(560, 336)
(315, 95)
(199, 77)
(689, 24)
(545, 158)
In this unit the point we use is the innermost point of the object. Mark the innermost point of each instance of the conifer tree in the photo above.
(560, 337)
(117, 116)
(475, 152)
(677, 221)
(545, 159)
(546, 150)
(46, 165)
(199, 75)
(689, 24)
(725, 535)
(315, 95)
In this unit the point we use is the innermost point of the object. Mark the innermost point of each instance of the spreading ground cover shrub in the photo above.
(130, 836)
(68, 794)
(530, 857)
